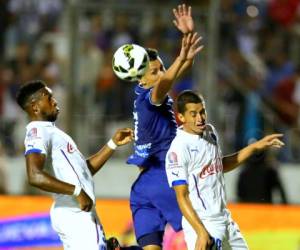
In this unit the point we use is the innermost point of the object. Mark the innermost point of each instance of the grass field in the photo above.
(273, 240)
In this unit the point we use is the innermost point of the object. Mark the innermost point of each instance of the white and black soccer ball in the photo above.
(130, 62)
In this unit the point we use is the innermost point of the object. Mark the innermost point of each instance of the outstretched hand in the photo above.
(272, 140)
(123, 136)
(183, 19)
(190, 46)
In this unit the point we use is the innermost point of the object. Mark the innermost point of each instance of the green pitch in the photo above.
(273, 240)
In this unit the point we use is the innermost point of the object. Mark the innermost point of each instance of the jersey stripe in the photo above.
(33, 150)
(71, 165)
(179, 182)
(198, 192)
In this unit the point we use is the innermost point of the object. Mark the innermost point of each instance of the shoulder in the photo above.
(35, 131)
(179, 143)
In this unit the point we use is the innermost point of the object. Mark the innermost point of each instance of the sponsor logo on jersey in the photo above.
(211, 169)
(70, 148)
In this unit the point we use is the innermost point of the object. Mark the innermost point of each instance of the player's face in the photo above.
(47, 105)
(194, 118)
(153, 74)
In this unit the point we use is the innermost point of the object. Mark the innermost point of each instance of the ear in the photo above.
(181, 117)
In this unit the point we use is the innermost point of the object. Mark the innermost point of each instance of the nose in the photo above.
(200, 118)
(54, 102)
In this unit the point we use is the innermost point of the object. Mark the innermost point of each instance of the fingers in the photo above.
(198, 49)
(175, 23)
(277, 143)
(190, 11)
(273, 136)
(126, 130)
(195, 43)
(176, 14)
(182, 10)
(196, 39)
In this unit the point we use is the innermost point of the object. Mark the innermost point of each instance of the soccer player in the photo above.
(195, 167)
(73, 213)
(152, 202)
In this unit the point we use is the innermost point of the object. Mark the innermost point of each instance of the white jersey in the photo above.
(197, 161)
(68, 164)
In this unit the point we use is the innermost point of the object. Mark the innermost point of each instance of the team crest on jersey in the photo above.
(172, 157)
(32, 134)
(70, 148)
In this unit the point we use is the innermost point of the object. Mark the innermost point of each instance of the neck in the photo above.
(185, 129)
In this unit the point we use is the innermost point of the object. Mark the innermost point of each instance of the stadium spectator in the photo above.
(259, 180)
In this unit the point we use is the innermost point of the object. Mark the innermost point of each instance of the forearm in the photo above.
(166, 81)
(96, 161)
(190, 214)
(231, 162)
(186, 66)
(46, 182)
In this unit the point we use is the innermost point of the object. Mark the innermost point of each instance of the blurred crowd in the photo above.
(258, 71)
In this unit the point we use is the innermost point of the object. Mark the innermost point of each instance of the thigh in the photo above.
(190, 235)
(147, 219)
(78, 230)
(164, 199)
(234, 238)
(216, 232)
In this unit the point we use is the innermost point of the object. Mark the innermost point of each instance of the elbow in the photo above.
(35, 180)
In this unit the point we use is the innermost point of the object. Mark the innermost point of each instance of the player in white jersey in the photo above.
(195, 167)
(73, 213)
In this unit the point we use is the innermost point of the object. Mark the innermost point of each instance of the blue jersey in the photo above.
(155, 128)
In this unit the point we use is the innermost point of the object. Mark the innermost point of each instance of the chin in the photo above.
(52, 118)
(199, 131)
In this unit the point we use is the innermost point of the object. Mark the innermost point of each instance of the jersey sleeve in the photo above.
(176, 165)
(36, 141)
(149, 100)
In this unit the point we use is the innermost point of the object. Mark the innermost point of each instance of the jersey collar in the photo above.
(181, 132)
(41, 123)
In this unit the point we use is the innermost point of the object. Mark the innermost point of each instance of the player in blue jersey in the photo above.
(152, 202)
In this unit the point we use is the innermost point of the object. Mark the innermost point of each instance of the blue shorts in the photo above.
(153, 203)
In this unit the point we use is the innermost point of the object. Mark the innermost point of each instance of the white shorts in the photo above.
(78, 230)
(226, 236)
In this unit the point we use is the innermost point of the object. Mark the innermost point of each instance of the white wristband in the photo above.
(77, 190)
(111, 144)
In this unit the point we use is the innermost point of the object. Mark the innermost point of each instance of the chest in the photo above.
(205, 158)
(62, 141)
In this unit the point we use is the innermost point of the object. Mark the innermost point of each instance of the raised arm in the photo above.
(121, 137)
(230, 162)
(189, 48)
(185, 24)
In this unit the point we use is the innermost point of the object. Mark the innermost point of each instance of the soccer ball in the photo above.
(130, 62)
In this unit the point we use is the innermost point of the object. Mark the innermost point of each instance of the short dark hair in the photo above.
(28, 89)
(152, 53)
(187, 96)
